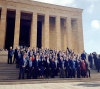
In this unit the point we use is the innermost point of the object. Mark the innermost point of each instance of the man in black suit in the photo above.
(47, 66)
(83, 56)
(70, 71)
(52, 67)
(78, 67)
(10, 55)
(36, 67)
(61, 67)
(23, 64)
(90, 59)
(30, 68)
(66, 65)
(15, 55)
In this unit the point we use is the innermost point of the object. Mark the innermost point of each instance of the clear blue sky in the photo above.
(91, 20)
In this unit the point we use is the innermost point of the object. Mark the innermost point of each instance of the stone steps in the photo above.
(9, 74)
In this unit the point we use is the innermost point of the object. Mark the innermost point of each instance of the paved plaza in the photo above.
(75, 85)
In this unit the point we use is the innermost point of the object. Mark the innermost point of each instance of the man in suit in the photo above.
(90, 59)
(23, 64)
(83, 56)
(78, 67)
(52, 67)
(61, 67)
(47, 66)
(66, 65)
(41, 68)
(10, 55)
(95, 60)
(18, 59)
(30, 68)
(36, 67)
(15, 55)
(70, 71)
(73, 66)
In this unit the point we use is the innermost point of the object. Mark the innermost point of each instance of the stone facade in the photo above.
(61, 27)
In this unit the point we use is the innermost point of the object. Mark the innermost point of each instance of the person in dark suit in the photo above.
(78, 67)
(52, 67)
(30, 68)
(47, 66)
(90, 59)
(23, 64)
(95, 60)
(10, 55)
(57, 66)
(61, 67)
(66, 65)
(83, 56)
(36, 67)
(18, 59)
(15, 55)
(41, 68)
(70, 71)
(73, 67)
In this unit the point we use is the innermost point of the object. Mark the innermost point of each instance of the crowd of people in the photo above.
(46, 63)
(94, 59)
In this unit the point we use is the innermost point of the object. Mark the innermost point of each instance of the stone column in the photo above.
(46, 31)
(80, 35)
(17, 29)
(33, 38)
(69, 33)
(3, 27)
(65, 41)
(58, 33)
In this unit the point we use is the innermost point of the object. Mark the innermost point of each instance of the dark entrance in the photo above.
(25, 27)
(10, 26)
(39, 34)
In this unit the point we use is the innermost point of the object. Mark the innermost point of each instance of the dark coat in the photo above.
(90, 58)
(41, 64)
(70, 63)
(52, 65)
(16, 53)
(78, 65)
(10, 52)
(36, 64)
(60, 64)
(21, 63)
(83, 56)
(66, 64)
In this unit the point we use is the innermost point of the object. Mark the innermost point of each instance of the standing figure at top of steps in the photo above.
(10, 55)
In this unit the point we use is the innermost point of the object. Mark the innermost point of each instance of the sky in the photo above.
(91, 20)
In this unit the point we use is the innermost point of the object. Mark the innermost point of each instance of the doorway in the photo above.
(10, 26)
(39, 34)
(25, 27)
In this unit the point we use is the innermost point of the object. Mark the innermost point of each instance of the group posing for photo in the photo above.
(46, 63)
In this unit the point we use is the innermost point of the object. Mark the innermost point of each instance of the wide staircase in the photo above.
(9, 73)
